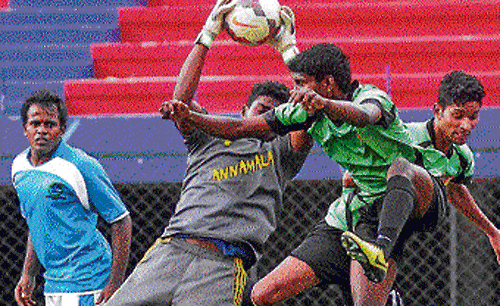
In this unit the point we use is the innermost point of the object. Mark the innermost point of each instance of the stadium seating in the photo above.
(327, 21)
(389, 43)
(44, 46)
(395, 45)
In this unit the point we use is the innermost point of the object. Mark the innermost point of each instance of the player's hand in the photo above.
(310, 101)
(24, 291)
(179, 111)
(495, 243)
(215, 22)
(108, 291)
(175, 110)
(285, 42)
(165, 110)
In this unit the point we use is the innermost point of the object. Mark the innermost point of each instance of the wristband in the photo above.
(289, 53)
(205, 39)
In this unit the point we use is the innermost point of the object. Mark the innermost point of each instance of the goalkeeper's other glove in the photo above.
(285, 41)
(215, 22)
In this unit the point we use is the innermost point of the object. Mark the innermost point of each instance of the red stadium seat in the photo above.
(407, 46)
(165, 59)
(327, 21)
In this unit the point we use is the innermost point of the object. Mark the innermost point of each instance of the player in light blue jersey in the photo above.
(62, 191)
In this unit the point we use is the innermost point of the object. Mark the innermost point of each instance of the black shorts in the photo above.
(438, 211)
(322, 250)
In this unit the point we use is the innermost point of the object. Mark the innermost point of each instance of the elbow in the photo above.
(364, 120)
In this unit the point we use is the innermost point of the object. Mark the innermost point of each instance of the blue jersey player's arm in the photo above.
(26, 285)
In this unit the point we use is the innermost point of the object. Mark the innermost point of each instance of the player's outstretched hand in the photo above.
(215, 22)
(285, 42)
(310, 101)
(24, 291)
(495, 243)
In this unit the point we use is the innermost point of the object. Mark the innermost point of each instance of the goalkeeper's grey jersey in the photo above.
(233, 189)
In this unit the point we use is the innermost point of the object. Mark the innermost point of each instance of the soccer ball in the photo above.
(252, 22)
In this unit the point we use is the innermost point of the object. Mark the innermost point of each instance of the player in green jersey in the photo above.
(417, 192)
(357, 125)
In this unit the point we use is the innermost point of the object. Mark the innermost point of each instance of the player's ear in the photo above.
(437, 109)
(332, 88)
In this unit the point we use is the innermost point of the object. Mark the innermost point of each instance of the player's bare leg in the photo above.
(288, 279)
(367, 293)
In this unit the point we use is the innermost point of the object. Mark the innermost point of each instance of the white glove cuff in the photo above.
(205, 39)
(289, 53)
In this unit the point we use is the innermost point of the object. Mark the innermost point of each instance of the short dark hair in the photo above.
(45, 98)
(323, 60)
(275, 90)
(458, 87)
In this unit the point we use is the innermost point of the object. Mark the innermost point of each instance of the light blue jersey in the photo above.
(61, 201)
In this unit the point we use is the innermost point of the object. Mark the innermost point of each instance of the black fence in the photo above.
(453, 266)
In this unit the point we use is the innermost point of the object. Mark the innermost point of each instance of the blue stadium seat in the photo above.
(75, 3)
(52, 53)
(62, 34)
(45, 62)
(40, 16)
(59, 25)
(15, 92)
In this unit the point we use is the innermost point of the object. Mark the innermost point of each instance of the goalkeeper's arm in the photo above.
(284, 119)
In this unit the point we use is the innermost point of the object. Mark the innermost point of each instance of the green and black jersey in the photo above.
(366, 152)
(457, 166)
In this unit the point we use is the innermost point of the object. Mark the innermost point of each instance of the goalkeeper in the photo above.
(230, 197)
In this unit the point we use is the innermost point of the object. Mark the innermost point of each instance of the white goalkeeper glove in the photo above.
(215, 22)
(285, 41)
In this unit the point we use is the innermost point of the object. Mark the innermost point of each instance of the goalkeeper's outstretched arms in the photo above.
(190, 73)
(219, 126)
(283, 119)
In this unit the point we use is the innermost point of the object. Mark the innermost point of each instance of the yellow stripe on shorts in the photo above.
(158, 241)
(240, 281)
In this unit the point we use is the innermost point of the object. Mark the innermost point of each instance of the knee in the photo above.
(259, 295)
(400, 166)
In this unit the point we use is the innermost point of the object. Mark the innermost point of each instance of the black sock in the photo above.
(396, 210)
(247, 301)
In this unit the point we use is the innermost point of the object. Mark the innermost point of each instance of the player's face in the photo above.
(43, 130)
(261, 105)
(455, 122)
(301, 80)
(324, 88)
